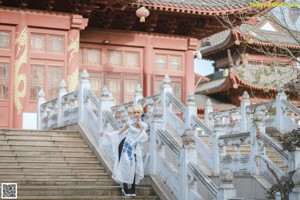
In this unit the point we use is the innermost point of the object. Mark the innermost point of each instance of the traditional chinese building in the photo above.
(248, 58)
(45, 41)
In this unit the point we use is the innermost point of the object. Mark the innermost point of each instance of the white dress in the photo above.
(128, 166)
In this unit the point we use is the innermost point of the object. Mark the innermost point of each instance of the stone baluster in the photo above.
(245, 102)
(84, 83)
(295, 193)
(62, 90)
(207, 111)
(190, 110)
(218, 131)
(166, 88)
(138, 94)
(278, 196)
(156, 124)
(41, 100)
(106, 101)
(280, 112)
(257, 128)
(226, 189)
(187, 154)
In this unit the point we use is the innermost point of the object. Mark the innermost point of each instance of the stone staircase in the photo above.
(57, 165)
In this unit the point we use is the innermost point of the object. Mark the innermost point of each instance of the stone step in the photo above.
(45, 153)
(60, 182)
(44, 143)
(54, 175)
(28, 164)
(47, 158)
(42, 138)
(78, 191)
(43, 148)
(54, 169)
(87, 197)
(58, 133)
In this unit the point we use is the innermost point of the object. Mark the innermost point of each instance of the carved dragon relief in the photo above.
(22, 42)
(72, 79)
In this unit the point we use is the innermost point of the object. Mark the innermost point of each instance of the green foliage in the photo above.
(291, 140)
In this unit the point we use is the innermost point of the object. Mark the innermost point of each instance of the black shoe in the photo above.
(125, 194)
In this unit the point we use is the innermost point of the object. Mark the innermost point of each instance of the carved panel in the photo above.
(54, 78)
(56, 44)
(129, 89)
(132, 59)
(160, 61)
(93, 56)
(114, 58)
(4, 119)
(38, 43)
(4, 76)
(37, 77)
(175, 63)
(4, 39)
(96, 82)
(114, 85)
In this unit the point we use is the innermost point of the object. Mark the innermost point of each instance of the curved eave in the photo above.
(271, 44)
(229, 41)
(195, 10)
(232, 79)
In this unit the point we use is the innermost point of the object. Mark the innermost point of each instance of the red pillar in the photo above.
(78, 23)
(148, 68)
(20, 74)
(193, 44)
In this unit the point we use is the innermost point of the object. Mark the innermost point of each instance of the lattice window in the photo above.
(114, 58)
(38, 43)
(54, 79)
(114, 86)
(129, 89)
(177, 89)
(96, 82)
(4, 39)
(160, 61)
(93, 56)
(132, 59)
(4, 76)
(37, 77)
(175, 63)
(157, 87)
(56, 44)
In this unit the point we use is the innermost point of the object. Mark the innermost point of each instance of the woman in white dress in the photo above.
(127, 146)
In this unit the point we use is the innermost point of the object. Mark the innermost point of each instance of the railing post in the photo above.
(106, 101)
(156, 124)
(244, 104)
(84, 83)
(166, 88)
(279, 111)
(187, 154)
(190, 109)
(226, 189)
(138, 94)
(295, 194)
(257, 127)
(207, 111)
(218, 131)
(61, 92)
(41, 100)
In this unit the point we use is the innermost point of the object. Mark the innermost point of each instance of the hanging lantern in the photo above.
(142, 13)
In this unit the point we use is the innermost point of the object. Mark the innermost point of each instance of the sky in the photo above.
(203, 67)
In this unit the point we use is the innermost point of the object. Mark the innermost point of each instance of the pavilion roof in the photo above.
(188, 18)
(251, 77)
(225, 39)
(217, 103)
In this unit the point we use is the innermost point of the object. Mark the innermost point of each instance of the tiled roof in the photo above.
(281, 37)
(201, 100)
(196, 6)
(251, 76)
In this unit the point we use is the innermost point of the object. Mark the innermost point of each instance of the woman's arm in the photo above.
(123, 129)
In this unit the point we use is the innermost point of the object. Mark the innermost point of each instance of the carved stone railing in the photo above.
(164, 111)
